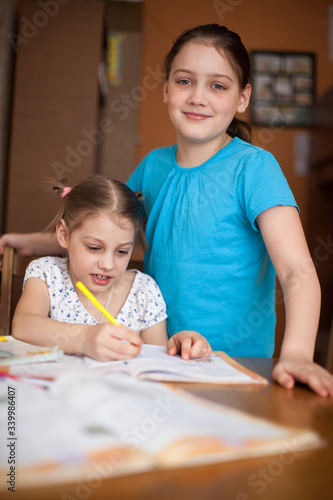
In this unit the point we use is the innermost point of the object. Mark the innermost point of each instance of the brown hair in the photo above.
(94, 195)
(228, 43)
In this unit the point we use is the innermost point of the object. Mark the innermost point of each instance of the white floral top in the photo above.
(143, 308)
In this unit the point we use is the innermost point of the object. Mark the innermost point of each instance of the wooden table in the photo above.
(298, 476)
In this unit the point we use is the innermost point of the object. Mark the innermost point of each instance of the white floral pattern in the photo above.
(144, 306)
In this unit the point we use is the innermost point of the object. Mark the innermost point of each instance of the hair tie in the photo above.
(65, 191)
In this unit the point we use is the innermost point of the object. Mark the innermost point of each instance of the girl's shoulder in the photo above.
(143, 283)
(47, 268)
(49, 262)
(249, 150)
(251, 160)
(162, 151)
(160, 156)
(153, 168)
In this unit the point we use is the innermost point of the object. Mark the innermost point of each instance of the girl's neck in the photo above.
(190, 155)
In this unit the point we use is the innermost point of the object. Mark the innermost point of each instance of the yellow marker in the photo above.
(3, 339)
(99, 306)
(37, 353)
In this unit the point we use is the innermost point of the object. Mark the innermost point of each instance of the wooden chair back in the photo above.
(13, 265)
(330, 351)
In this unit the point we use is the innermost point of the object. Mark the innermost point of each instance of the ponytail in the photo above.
(241, 129)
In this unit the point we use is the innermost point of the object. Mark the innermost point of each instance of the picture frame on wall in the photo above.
(283, 88)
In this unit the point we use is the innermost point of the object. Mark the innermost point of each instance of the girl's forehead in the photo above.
(197, 54)
(104, 219)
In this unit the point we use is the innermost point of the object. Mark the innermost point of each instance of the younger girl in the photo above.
(98, 224)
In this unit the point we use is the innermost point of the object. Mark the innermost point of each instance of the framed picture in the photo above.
(283, 88)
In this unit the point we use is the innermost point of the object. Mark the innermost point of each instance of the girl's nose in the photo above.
(197, 96)
(106, 262)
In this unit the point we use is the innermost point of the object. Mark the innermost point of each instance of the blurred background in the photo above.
(81, 92)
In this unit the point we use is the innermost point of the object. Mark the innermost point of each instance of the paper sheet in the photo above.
(153, 363)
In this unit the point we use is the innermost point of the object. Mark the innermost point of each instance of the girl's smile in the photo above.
(196, 116)
(100, 279)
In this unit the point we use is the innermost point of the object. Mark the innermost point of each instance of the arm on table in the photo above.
(283, 235)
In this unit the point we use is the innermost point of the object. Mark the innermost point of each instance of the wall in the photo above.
(55, 105)
(300, 25)
(7, 59)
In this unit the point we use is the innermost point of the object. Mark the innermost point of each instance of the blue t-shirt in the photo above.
(205, 249)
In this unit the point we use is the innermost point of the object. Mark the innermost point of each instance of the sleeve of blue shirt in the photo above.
(263, 186)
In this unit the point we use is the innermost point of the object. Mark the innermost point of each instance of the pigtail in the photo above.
(141, 237)
(60, 188)
(139, 195)
(57, 185)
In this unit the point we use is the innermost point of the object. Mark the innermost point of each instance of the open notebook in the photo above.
(153, 363)
(107, 426)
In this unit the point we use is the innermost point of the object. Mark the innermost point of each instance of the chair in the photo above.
(330, 351)
(136, 261)
(13, 265)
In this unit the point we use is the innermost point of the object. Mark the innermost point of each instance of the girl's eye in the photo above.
(218, 86)
(93, 248)
(183, 81)
(123, 252)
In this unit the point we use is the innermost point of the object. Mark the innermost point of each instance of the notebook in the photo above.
(154, 363)
(15, 352)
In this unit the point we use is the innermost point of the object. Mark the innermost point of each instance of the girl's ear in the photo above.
(244, 98)
(62, 233)
(165, 93)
